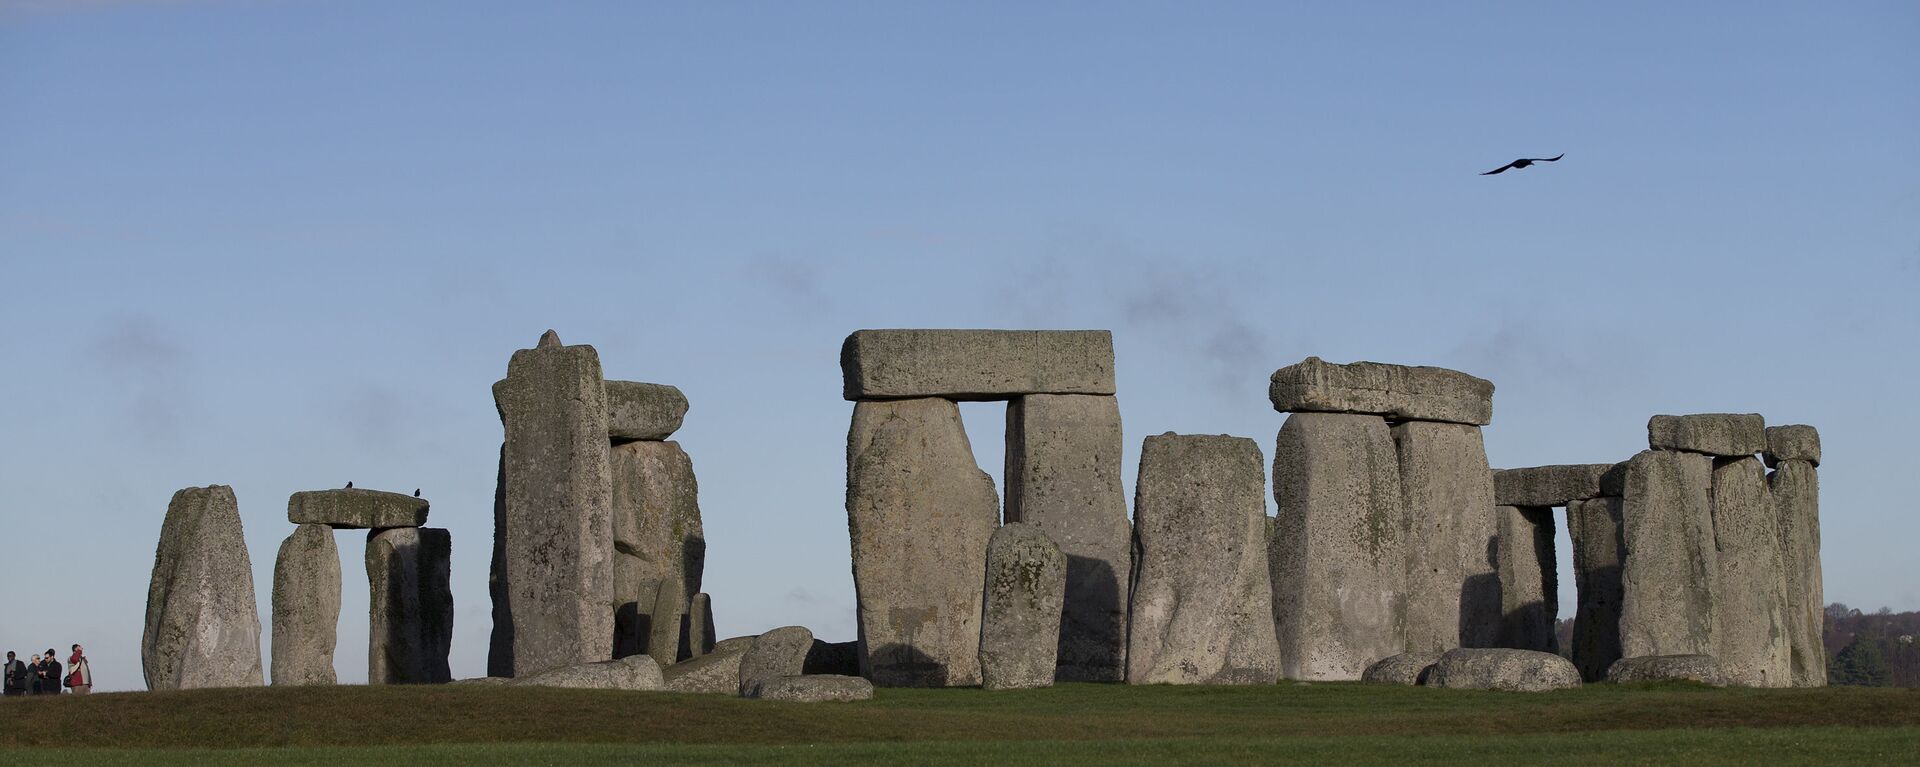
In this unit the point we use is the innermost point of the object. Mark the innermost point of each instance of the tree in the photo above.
(1861, 662)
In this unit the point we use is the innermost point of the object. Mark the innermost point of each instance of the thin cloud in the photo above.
(148, 367)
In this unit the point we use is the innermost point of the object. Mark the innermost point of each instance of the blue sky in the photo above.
(284, 245)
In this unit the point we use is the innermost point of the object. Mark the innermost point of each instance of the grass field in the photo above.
(1067, 724)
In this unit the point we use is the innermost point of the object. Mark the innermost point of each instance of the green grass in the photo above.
(1090, 724)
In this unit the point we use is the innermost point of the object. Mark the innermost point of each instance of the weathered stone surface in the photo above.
(778, 653)
(975, 364)
(729, 643)
(1339, 546)
(1398, 391)
(699, 625)
(1408, 668)
(1453, 583)
(356, 508)
(633, 596)
(815, 688)
(1750, 631)
(840, 658)
(1666, 519)
(1556, 485)
(1503, 669)
(1529, 579)
(1722, 434)
(1201, 603)
(1793, 442)
(1667, 668)
(717, 672)
(202, 627)
(409, 606)
(919, 513)
(1594, 526)
(1063, 477)
(557, 516)
(643, 410)
(1020, 629)
(656, 511)
(640, 672)
(1795, 487)
(306, 607)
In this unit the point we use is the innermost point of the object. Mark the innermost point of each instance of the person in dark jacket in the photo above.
(16, 675)
(50, 674)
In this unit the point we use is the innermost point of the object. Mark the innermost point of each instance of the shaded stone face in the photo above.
(1529, 582)
(975, 364)
(1594, 526)
(1723, 434)
(700, 625)
(1794, 442)
(1750, 629)
(356, 508)
(1557, 485)
(919, 513)
(1339, 546)
(1063, 477)
(409, 606)
(1453, 585)
(779, 653)
(1371, 388)
(648, 411)
(1201, 601)
(656, 511)
(306, 607)
(1666, 519)
(556, 517)
(1020, 629)
(1795, 488)
(202, 629)
(1667, 668)
(1503, 669)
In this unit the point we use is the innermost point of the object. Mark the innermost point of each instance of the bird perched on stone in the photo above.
(1523, 162)
(416, 492)
(349, 484)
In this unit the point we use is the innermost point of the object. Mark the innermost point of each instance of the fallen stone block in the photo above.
(975, 364)
(1598, 551)
(818, 688)
(306, 607)
(1667, 668)
(356, 508)
(202, 627)
(1751, 636)
(1020, 629)
(1556, 485)
(717, 672)
(643, 411)
(639, 672)
(1666, 519)
(1409, 668)
(1398, 392)
(1503, 669)
(1795, 488)
(1793, 442)
(779, 653)
(1529, 579)
(1721, 434)
(1453, 582)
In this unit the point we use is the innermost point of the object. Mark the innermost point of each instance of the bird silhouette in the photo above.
(416, 492)
(1523, 162)
(349, 484)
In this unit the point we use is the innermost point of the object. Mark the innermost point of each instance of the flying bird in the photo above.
(349, 484)
(1524, 162)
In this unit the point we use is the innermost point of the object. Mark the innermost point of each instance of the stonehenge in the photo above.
(306, 607)
(409, 606)
(1469, 668)
(1020, 625)
(1529, 584)
(202, 627)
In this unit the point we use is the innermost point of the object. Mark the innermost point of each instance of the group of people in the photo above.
(42, 676)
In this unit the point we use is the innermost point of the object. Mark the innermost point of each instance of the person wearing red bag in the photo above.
(79, 672)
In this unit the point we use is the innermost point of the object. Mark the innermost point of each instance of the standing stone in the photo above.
(633, 597)
(656, 507)
(919, 514)
(1201, 600)
(500, 640)
(306, 607)
(975, 364)
(1020, 630)
(1372, 388)
(1453, 584)
(1063, 477)
(409, 606)
(1529, 581)
(1666, 519)
(1795, 487)
(643, 410)
(700, 637)
(1750, 629)
(1723, 434)
(557, 516)
(779, 653)
(202, 627)
(1594, 526)
(1339, 546)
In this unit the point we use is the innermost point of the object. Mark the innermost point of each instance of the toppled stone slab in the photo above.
(1598, 551)
(656, 518)
(717, 672)
(1529, 580)
(815, 688)
(837, 658)
(1399, 392)
(975, 364)
(1556, 485)
(1410, 668)
(409, 606)
(1722, 434)
(1503, 669)
(919, 514)
(484, 681)
(1338, 550)
(356, 508)
(1201, 603)
(1667, 668)
(1453, 583)
(1063, 476)
(1750, 632)
(639, 672)
(202, 628)
(306, 607)
(1795, 488)
(1020, 629)
(1666, 518)
(1793, 442)
(779, 653)
(643, 411)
